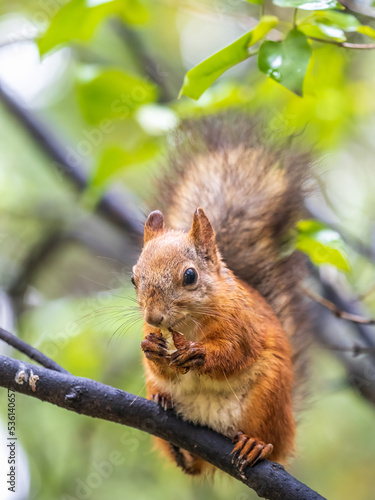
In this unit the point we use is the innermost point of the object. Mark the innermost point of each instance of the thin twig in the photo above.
(359, 369)
(295, 18)
(355, 349)
(346, 45)
(364, 333)
(159, 73)
(335, 310)
(362, 12)
(88, 397)
(38, 254)
(30, 351)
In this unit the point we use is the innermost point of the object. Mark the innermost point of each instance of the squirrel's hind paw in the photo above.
(249, 451)
(162, 400)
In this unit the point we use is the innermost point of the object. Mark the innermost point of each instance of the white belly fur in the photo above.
(204, 401)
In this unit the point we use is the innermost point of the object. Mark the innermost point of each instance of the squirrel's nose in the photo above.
(153, 318)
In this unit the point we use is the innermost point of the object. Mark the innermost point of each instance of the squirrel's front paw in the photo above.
(155, 348)
(192, 355)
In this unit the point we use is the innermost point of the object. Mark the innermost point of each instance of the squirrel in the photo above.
(217, 282)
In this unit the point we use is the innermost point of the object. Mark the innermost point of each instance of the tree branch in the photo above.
(346, 45)
(88, 397)
(160, 74)
(360, 370)
(114, 205)
(331, 294)
(30, 351)
(355, 349)
(114, 208)
(354, 318)
(361, 11)
(37, 255)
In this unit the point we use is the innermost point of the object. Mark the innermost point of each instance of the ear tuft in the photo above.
(154, 225)
(203, 235)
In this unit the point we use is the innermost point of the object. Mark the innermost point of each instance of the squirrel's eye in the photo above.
(190, 277)
(132, 279)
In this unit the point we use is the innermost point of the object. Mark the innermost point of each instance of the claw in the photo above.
(186, 354)
(266, 452)
(155, 348)
(246, 449)
(190, 356)
(249, 451)
(241, 465)
(179, 339)
(158, 339)
(240, 439)
(237, 436)
(164, 401)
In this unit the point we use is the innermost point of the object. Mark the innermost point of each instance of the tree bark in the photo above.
(88, 397)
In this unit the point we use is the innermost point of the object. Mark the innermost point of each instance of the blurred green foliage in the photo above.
(99, 90)
(322, 244)
(113, 74)
(198, 79)
(284, 61)
(78, 19)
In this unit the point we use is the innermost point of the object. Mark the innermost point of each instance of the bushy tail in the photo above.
(253, 192)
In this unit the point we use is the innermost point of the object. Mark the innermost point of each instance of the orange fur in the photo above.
(231, 351)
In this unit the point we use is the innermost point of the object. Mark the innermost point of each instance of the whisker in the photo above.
(104, 310)
(130, 323)
(231, 388)
(113, 260)
(198, 324)
(94, 281)
(137, 396)
(123, 328)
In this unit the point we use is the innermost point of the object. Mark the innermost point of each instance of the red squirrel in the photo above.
(217, 284)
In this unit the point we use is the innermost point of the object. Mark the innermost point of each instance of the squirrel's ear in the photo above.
(203, 235)
(154, 225)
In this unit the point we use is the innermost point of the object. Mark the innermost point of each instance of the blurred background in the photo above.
(86, 115)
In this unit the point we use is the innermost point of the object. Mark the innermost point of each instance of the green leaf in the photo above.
(329, 24)
(133, 12)
(115, 159)
(341, 20)
(111, 161)
(78, 20)
(367, 30)
(202, 76)
(322, 244)
(306, 5)
(321, 30)
(286, 61)
(330, 30)
(332, 24)
(74, 21)
(256, 2)
(111, 93)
